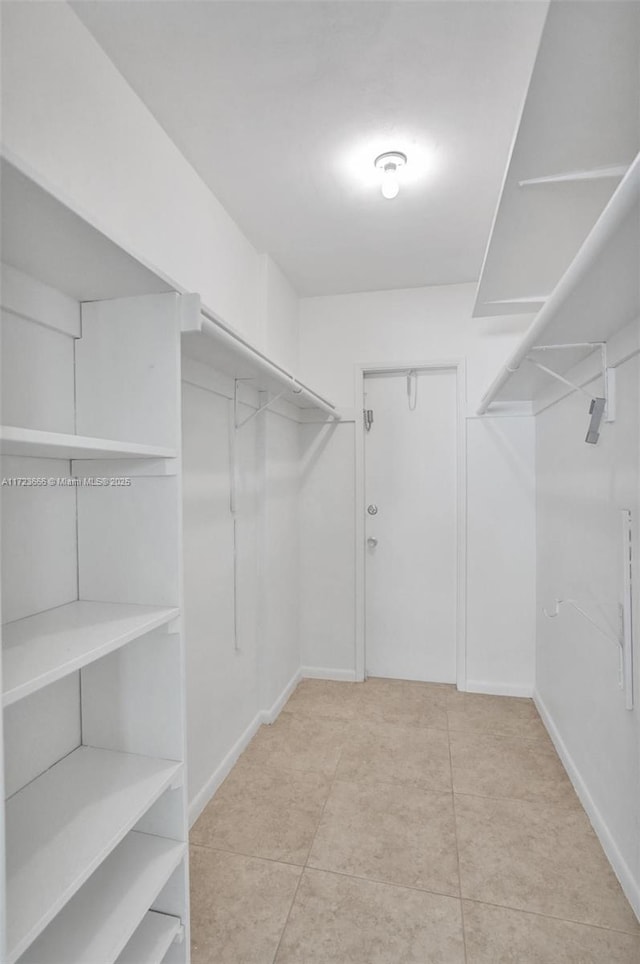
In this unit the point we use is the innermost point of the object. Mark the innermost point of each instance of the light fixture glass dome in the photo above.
(389, 164)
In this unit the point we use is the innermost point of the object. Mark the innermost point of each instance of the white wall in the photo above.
(70, 118)
(411, 326)
(580, 491)
(230, 691)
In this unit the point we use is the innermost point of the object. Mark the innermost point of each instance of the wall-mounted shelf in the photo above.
(47, 240)
(575, 140)
(41, 649)
(152, 939)
(63, 824)
(56, 445)
(598, 295)
(104, 917)
(206, 340)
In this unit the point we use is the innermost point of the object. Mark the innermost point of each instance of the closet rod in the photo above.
(218, 331)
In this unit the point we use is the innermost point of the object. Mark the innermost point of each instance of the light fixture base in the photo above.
(390, 160)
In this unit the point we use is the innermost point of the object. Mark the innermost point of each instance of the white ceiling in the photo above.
(282, 107)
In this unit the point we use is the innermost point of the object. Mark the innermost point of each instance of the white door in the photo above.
(410, 507)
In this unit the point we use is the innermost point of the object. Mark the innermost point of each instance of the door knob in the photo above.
(372, 509)
(372, 542)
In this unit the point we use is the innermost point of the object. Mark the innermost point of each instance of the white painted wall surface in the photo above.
(69, 116)
(222, 684)
(230, 693)
(580, 490)
(277, 631)
(281, 312)
(419, 325)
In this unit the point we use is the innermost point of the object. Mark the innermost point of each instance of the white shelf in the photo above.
(41, 649)
(152, 940)
(598, 295)
(64, 824)
(49, 241)
(210, 342)
(55, 445)
(576, 137)
(97, 923)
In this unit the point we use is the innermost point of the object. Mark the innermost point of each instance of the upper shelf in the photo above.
(598, 295)
(576, 138)
(207, 340)
(47, 240)
(57, 445)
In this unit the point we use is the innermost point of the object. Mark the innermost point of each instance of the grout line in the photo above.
(241, 853)
(455, 835)
(562, 920)
(306, 863)
(381, 880)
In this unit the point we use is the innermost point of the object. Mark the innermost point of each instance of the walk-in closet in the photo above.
(320, 488)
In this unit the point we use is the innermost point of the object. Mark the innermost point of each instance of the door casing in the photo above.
(456, 365)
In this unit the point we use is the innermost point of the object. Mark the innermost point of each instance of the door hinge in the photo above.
(367, 414)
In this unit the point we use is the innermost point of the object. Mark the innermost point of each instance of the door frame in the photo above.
(457, 366)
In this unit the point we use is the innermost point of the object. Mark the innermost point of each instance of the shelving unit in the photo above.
(576, 138)
(92, 655)
(598, 296)
(97, 924)
(151, 940)
(207, 340)
(61, 826)
(41, 649)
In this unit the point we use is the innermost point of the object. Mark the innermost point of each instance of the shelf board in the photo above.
(96, 924)
(41, 649)
(56, 445)
(46, 239)
(152, 939)
(597, 296)
(575, 138)
(62, 825)
(615, 171)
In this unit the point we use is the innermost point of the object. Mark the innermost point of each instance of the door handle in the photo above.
(372, 542)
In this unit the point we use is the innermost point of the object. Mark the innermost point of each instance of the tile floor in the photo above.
(391, 822)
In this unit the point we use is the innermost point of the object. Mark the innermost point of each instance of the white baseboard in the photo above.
(268, 716)
(623, 872)
(204, 795)
(499, 689)
(319, 672)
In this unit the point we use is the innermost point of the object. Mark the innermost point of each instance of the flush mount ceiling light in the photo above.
(390, 163)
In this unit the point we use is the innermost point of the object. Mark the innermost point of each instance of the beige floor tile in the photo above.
(298, 743)
(404, 702)
(239, 906)
(342, 920)
(404, 755)
(495, 766)
(395, 834)
(495, 935)
(539, 858)
(324, 698)
(496, 715)
(264, 812)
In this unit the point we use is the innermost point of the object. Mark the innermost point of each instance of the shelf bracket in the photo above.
(599, 406)
(263, 408)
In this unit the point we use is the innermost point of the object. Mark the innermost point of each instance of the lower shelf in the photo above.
(60, 828)
(152, 940)
(97, 923)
